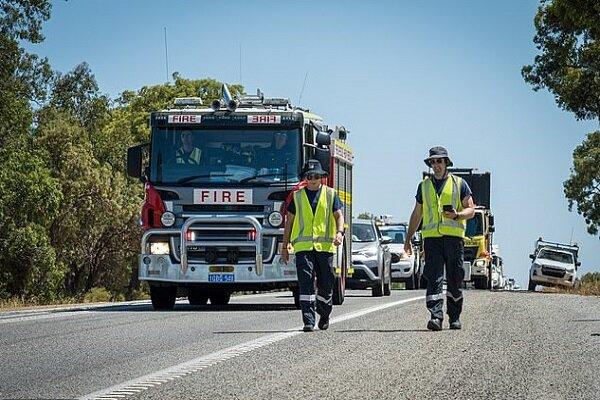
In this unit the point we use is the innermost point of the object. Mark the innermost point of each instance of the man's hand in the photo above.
(407, 248)
(451, 214)
(338, 240)
(285, 254)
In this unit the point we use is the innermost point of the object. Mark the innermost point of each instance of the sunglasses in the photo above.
(312, 177)
(436, 160)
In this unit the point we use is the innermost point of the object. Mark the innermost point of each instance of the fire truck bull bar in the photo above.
(257, 243)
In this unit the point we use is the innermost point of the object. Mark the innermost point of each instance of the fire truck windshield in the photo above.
(183, 156)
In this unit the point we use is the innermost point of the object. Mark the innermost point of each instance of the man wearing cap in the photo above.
(443, 203)
(315, 227)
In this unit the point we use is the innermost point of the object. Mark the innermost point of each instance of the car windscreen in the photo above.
(555, 256)
(363, 233)
(396, 233)
(182, 156)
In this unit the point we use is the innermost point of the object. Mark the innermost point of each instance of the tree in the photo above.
(583, 186)
(568, 65)
(365, 215)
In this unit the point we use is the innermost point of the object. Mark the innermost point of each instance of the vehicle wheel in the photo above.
(377, 290)
(480, 283)
(531, 286)
(296, 294)
(197, 298)
(387, 288)
(410, 283)
(423, 282)
(220, 298)
(163, 297)
(338, 291)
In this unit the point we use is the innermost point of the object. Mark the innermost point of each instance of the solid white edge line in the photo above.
(206, 361)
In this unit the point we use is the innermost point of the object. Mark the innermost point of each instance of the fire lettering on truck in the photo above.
(222, 196)
(264, 119)
(184, 119)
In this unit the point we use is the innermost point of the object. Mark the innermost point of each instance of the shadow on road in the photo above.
(381, 330)
(206, 308)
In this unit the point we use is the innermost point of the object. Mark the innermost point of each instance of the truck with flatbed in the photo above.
(553, 264)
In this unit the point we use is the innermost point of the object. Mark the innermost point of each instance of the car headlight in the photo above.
(369, 253)
(480, 263)
(159, 248)
(275, 219)
(167, 219)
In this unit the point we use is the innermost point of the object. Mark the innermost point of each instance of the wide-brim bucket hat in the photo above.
(438, 152)
(313, 167)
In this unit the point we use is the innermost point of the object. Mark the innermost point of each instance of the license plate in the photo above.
(221, 278)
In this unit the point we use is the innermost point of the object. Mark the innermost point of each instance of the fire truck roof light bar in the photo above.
(187, 101)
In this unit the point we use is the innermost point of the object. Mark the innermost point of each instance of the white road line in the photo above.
(178, 371)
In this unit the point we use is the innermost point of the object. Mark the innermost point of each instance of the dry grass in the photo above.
(584, 289)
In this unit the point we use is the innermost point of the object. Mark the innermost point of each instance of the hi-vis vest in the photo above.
(191, 158)
(314, 231)
(434, 222)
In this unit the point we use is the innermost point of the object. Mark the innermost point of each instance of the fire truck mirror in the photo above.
(134, 161)
(324, 158)
(323, 139)
(491, 220)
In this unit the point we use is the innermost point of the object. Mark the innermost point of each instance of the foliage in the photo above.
(97, 295)
(568, 38)
(583, 186)
(365, 215)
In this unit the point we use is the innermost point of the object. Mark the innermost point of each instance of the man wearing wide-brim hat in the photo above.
(444, 204)
(315, 227)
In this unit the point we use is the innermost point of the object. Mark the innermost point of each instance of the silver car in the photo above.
(407, 269)
(371, 259)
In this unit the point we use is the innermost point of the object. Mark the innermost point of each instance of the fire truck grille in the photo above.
(230, 254)
(470, 253)
(556, 272)
(223, 208)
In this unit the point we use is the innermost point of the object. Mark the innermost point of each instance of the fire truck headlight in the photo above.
(275, 219)
(159, 248)
(167, 219)
(480, 263)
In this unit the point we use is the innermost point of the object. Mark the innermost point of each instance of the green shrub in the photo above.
(97, 295)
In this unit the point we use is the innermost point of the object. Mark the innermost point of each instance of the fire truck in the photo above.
(216, 182)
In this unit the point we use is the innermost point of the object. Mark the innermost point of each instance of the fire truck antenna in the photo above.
(302, 90)
(166, 55)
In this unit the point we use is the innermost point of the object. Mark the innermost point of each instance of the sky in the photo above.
(402, 76)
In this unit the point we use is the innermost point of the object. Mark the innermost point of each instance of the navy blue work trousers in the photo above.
(310, 264)
(443, 251)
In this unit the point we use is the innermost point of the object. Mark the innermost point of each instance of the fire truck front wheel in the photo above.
(163, 297)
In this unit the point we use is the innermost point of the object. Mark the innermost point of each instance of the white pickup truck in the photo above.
(553, 264)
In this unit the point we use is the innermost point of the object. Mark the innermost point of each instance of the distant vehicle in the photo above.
(406, 269)
(553, 264)
(371, 259)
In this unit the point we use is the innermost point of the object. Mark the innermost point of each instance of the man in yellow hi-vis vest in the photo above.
(188, 153)
(443, 204)
(315, 227)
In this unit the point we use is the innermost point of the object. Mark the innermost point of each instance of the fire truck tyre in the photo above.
(296, 295)
(163, 297)
(480, 283)
(377, 290)
(338, 291)
(531, 286)
(197, 297)
(220, 298)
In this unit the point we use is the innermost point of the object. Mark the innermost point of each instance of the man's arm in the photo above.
(413, 224)
(339, 223)
(287, 231)
(468, 210)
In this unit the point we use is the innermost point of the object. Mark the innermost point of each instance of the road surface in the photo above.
(513, 345)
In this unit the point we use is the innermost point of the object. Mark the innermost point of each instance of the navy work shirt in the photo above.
(465, 190)
(313, 199)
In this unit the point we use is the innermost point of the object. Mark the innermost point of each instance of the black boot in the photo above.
(434, 324)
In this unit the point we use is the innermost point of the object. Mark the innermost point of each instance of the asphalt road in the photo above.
(513, 345)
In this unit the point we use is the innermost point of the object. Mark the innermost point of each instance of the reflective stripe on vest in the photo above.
(314, 230)
(192, 158)
(434, 223)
